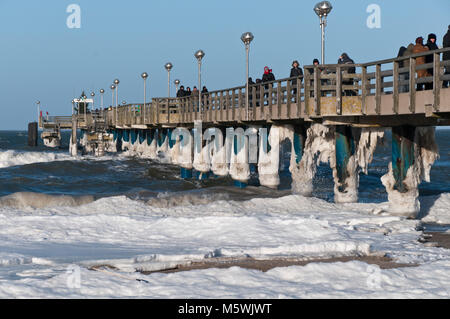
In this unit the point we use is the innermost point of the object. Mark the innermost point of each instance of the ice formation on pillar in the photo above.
(319, 148)
(269, 154)
(366, 147)
(73, 147)
(150, 145)
(361, 159)
(175, 150)
(346, 185)
(162, 147)
(202, 160)
(239, 166)
(185, 157)
(426, 152)
(218, 155)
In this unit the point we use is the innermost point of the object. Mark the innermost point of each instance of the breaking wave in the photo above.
(37, 200)
(14, 158)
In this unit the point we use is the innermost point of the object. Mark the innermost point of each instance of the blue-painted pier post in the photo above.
(402, 154)
(162, 133)
(298, 146)
(346, 179)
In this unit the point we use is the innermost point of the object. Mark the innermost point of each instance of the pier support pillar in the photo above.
(402, 155)
(345, 172)
(414, 150)
(239, 161)
(73, 145)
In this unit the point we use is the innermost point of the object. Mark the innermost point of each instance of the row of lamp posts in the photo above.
(322, 9)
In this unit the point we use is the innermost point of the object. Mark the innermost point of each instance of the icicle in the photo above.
(319, 148)
(367, 145)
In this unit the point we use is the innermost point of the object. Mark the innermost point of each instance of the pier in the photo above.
(327, 115)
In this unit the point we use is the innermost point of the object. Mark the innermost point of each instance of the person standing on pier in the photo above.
(296, 72)
(431, 45)
(446, 56)
(404, 76)
(345, 59)
(181, 92)
(267, 77)
(419, 48)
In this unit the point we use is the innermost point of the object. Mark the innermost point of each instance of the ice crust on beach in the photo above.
(135, 236)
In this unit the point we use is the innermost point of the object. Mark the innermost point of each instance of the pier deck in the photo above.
(380, 93)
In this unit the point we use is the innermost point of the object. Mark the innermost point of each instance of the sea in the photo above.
(48, 171)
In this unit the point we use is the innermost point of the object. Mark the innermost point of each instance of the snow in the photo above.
(40, 245)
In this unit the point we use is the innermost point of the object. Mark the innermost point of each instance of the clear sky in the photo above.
(42, 59)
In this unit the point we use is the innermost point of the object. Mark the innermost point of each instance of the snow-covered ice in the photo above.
(40, 245)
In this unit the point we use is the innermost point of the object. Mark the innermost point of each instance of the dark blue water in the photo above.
(142, 178)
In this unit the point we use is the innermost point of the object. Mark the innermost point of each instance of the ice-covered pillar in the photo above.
(73, 138)
(183, 149)
(345, 170)
(162, 144)
(239, 165)
(219, 163)
(202, 160)
(318, 148)
(298, 146)
(118, 135)
(402, 154)
(150, 146)
(414, 151)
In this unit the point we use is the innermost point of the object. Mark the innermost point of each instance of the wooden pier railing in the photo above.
(340, 92)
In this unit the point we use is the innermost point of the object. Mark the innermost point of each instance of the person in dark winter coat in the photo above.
(446, 56)
(296, 72)
(181, 92)
(404, 76)
(431, 45)
(345, 59)
(267, 77)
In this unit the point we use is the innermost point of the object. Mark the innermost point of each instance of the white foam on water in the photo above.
(11, 158)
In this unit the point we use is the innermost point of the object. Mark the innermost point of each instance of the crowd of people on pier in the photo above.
(297, 72)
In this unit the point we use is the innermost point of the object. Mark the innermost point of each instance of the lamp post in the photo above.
(93, 95)
(247, 38)
(144, 76)
(199, 55)
(113, 87)
(102, 91)
(168, 67)
(323, 9)
(177, 83)
(84, 108)
(116, 82)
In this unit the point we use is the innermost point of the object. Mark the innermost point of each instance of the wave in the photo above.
(14, 158)
(37, 200)
(166, 200)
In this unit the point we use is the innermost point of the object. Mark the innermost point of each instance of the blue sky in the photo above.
(42, 59)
